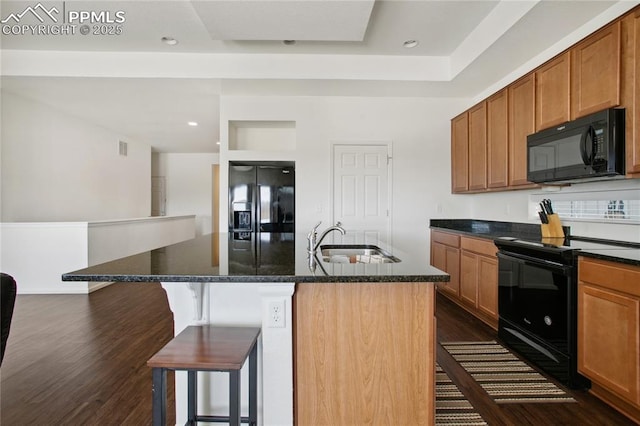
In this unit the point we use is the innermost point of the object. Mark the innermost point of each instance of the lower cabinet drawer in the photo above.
(445, 238)
(612, 275)
(480, 246)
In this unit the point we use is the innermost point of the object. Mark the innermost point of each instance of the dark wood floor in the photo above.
(81, 360)
(454, 324)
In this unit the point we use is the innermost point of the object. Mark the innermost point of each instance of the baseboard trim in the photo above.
(624, 407)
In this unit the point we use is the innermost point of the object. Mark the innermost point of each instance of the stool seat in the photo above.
(207, 348)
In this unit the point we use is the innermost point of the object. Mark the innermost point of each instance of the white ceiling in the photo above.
(147, 90)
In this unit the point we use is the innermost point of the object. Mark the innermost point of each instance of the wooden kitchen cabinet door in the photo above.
(522, 122)
(452, 256)
(608, 339)
(609, 331)
(364, 353)
(595, 72)
(438, 256)
(445, 256)
(460, 153)
(552, 92)
(439, 260)
(633, 145)
(469, 278)
(479, 277)
(497, 140)
(448, 259)
(478, 147)
(488, 286)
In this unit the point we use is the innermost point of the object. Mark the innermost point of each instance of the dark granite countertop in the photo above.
(491, 229)
(262, 257)
(615, 251)
(628, 254)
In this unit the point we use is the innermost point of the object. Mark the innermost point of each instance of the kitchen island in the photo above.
(345, 339)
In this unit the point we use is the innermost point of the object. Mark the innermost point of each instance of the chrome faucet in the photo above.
(314, 242)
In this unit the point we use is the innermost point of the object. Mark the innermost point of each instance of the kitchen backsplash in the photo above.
(593, 203)
(601, 210)
(622, 211)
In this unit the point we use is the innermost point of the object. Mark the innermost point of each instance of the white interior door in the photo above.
(361, 190)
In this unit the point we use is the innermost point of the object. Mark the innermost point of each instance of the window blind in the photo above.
(608, 205)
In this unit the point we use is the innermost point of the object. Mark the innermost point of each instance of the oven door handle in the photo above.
(532, 261)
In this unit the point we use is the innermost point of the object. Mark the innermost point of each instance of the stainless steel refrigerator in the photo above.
(261, 208)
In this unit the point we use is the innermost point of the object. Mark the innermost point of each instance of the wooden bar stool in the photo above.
(208, 348)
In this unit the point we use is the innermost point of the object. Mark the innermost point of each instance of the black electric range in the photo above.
(537, 300)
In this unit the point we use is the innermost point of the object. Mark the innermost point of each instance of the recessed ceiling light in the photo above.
(192, 123)
(289, 42)
(169, 40)
(409, 44)
(218, 143)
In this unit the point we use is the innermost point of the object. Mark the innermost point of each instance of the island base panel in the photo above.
(364, 353)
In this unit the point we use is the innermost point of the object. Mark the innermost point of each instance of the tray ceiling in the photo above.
(228, 47)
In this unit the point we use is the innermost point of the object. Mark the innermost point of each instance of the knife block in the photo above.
(553, 229)
(556, 242)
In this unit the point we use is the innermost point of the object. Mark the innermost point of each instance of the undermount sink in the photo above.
(356, 253)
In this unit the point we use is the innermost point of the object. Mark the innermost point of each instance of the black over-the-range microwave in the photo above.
(588, 148)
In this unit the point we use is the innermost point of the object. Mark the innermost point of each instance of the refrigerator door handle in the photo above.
(257, 208)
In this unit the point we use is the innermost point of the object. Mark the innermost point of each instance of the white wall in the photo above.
(188, 185)
(419, 130)
(36, 254)
(109, 240)
(56, 167)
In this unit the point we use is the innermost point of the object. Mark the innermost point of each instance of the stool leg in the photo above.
(159, 396)
(234, 398)
(253, 386)
(192, 397)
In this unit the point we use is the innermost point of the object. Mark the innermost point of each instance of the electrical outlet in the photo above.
(276, 314)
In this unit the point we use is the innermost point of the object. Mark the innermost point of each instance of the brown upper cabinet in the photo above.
(595, 72)
(460, 153)
(522, 118)
(633, 134)
(552, 92)
(478, 147)
(497, 140)
(489, 140)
